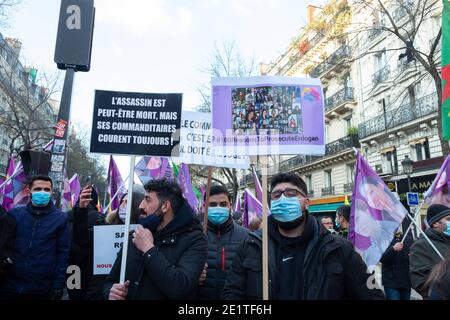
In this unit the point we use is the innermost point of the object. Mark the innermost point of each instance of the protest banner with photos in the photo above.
(268, 115)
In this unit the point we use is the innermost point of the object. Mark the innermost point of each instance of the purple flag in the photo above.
(252, 208)
(75, 189)
(258, 188)
(66, 199)
(150, 168)
(8, 189)
(14, 191)
(375, 216)
(438, 193)
(184, 179)
(115, 183)
(21, 194)
(237, 204)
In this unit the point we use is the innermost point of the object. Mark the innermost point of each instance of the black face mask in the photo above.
(150, 222)
(289, 225)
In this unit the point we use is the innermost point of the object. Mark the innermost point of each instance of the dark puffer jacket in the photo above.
(7, 237)
(170, 270)
(395, 265)
(332, 269)
(41, 251)
(423, 258)
(223, 243)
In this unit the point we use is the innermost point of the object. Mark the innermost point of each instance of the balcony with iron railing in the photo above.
(401, 115)
(381, 75)
(293, 59)
(327, 191)
(332, 148)
(336, 59)
(401, 11)
(375, 32)
(348, 187)
(339, 98)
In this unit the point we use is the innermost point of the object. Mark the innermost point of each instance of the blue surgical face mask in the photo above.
(286, 209)
(151, 221)
(122, 213)
(447, 232)
(40, 198)
(218, 215)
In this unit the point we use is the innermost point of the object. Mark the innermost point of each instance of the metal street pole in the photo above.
(59, 149)
(72, 53)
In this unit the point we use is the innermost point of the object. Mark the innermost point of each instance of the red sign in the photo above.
(61, 128)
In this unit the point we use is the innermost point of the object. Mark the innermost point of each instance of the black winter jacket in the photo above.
(332, 269)
(395, 265)
(223, 243)
(7, 237)
(170, 270)
(423, 258)
(82, 250)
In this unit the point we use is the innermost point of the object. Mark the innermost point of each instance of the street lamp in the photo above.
(407, 165)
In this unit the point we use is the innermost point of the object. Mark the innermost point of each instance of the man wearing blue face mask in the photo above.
(166, 254)
(41, 249)
(306, 262)
(224, 239)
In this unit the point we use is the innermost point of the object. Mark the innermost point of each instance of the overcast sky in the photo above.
(156, 45)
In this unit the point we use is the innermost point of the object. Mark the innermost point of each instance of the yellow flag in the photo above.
(346, 202)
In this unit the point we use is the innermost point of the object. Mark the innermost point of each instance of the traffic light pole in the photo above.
(59, 149)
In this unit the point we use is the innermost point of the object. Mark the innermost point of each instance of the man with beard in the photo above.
(167, 253)
(306, 262)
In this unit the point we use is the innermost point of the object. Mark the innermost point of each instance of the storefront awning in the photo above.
(328, 207)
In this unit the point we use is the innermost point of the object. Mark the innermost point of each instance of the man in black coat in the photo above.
(395, 269)
(224, 239)
(306, 262)
(166, 255)
(7, 237)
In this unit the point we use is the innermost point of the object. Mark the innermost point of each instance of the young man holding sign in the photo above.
(167, 254)
(306, 262)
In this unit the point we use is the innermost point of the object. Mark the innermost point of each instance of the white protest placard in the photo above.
(196, 145)
(108, 240)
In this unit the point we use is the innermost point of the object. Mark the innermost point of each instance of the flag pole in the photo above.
(127, 221)
(411, 224)
(9, 179)
(205, 214)
(425, 236)
(115, 195)
(265, 235)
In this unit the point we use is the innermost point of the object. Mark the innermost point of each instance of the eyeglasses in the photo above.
(288, 193)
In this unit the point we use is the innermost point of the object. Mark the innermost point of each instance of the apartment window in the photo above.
(350, 173)
(347, 80)
(390, 163)
(412, 96)
(422, 150)
(327, 133)
(348, 122)
(308, 181)
(327, 178)
(380, 60)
